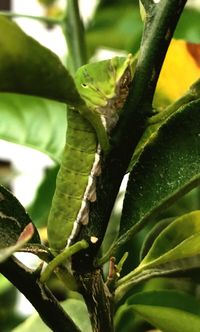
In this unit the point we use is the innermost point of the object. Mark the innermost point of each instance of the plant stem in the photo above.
(61, 258)
(73, 30)
(39, 295)
(139, 275)
(113, 249)
(192, 94)
(98, 299)
(137, 109)
(43, 19)
(126, 284)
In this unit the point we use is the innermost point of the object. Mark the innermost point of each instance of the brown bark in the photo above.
(98, 299)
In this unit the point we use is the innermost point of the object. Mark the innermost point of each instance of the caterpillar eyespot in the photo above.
(84, 85)
(104, 88)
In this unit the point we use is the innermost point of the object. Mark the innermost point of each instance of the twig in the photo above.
(73, 30)
(39, 295)
(43, 19)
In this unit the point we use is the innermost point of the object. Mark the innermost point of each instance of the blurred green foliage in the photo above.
(9, 315)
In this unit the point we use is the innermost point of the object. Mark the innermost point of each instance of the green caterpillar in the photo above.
(104, 88)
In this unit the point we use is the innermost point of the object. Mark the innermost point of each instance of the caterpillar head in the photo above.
(104, 86)
(102, 83)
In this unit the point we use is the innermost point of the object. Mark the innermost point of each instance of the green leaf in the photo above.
(13, 220)
(34, 122)
(147, 137)
(125, 317)
(109, 26)
(181, 239)
(24, 237)
(175, 251)
(5, 285)
(185, 204)
(39, 210)
(29, 68)
(152, 235)
(169, 311)
(76, 309)
(167, 168)
(157, 121)
(32, 324)
(188, 26)
(9, 318)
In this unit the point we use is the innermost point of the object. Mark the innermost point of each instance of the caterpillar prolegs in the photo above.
(104, 88)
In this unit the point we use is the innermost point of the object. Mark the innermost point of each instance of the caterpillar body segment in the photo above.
(104, 87)
(74, 184)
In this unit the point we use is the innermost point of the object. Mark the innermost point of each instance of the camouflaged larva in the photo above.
(104, 87)
(72, 180)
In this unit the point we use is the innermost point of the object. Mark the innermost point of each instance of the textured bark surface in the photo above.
(98, 299)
